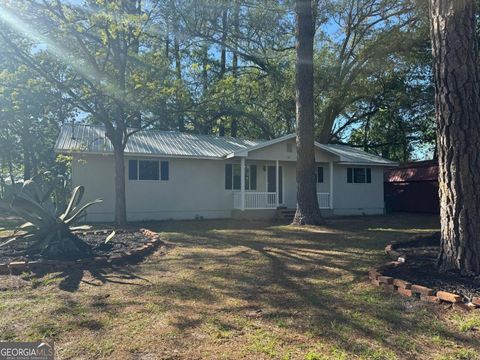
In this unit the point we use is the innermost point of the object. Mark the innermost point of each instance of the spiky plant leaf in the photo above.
(81, 210)
(110, 237)
(9, 241)
(80, 227)
(77, 196)
(26, 225)
(46, 233)
(37, 213)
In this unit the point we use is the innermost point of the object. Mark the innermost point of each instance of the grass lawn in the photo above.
(242, 290)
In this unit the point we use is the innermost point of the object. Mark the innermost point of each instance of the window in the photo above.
(237, 171)
(359, 175)
(251, 177)
(233, 177)
(148, 170)
(228, 176)
(289, 147)
(320, 174)
(164, 170)
(132, 170)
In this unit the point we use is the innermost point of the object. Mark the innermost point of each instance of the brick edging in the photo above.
(405, 288)
(18, 267)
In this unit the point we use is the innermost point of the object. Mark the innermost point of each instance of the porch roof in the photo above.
(346, 154)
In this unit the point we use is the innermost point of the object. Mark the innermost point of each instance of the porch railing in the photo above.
(323, 200)
(255, 200)
(268, 200)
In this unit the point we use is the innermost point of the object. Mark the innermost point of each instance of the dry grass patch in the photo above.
(242, 290)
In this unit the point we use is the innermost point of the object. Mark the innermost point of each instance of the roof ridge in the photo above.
(171, 131)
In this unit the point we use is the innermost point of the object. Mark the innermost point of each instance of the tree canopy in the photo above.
(211, 67)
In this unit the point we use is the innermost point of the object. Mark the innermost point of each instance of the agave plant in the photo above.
(47, 232)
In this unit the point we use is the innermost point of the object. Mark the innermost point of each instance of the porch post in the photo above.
(277, 198)
(331, 184)
(242, 183)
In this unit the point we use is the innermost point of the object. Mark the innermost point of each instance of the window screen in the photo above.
(359, 175)
(148, 170)
(320, 174)
(233, 177)
(228, 176)
(164, 170)
(132, 170)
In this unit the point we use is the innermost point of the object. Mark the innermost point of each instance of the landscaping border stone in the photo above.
(44, 266)
(408, 289)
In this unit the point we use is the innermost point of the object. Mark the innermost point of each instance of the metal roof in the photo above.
(413, 172)
(92, 139)
(349, 154)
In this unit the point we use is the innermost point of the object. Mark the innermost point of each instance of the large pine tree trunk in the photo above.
(308, 212)
(454, 46)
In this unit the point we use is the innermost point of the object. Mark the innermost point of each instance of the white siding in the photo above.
(195, 188)
(279, 152)
(357, 199)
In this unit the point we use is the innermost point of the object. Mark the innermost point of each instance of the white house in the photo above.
(171, 175)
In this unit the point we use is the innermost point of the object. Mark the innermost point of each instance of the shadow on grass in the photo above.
(70, 279)
(316, 276)
(311, 279)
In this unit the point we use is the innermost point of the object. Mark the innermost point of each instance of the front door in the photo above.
(272, 181)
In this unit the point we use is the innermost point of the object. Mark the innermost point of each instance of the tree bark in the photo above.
(330, 114)
(120, 196)
(457, 102)
(178, 72)
(236, 30)
(308, 212)
(223, 67)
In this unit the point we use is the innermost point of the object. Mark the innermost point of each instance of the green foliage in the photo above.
(47, 232)
(160, 65)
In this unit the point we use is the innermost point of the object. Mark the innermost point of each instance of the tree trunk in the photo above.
(236, 29)
(308, 212)
(457, 102)
(120, 196)
(223, 67)
(178, 72)
(329, 116)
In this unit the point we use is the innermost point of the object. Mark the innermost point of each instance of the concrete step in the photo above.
(285, 213)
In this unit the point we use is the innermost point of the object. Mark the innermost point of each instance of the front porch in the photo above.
(256, 200)
(278, 187)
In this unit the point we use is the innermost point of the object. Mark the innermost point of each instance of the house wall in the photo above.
(195, 188)
(280, 152)
(357, 199)
(290, 182)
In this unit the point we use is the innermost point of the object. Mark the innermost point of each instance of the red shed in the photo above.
(413, 187)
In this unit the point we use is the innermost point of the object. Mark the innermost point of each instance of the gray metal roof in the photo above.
(92, 139)
(349, 154)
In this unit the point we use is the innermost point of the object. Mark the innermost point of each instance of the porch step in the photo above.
(285, 214)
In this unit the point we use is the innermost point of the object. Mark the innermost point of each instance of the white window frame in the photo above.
(138, 170)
